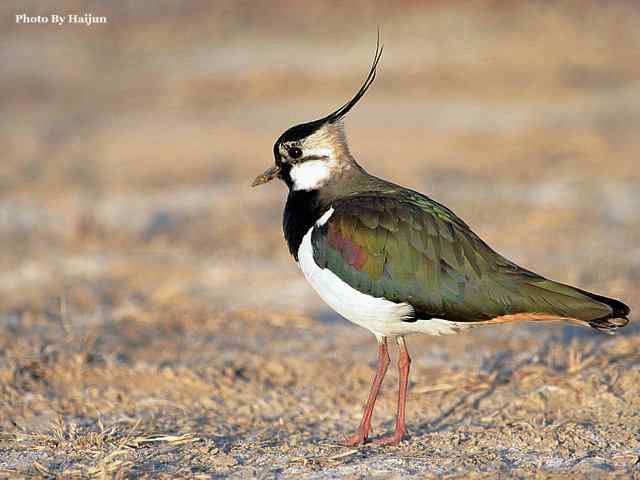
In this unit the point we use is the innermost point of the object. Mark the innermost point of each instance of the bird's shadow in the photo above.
(500, 370)
(500, 367)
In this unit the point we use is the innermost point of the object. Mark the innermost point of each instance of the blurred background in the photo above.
(136, 263)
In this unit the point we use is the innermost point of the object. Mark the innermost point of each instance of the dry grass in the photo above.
(152, 323)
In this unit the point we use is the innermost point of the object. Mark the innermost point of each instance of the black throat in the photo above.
(302, 210)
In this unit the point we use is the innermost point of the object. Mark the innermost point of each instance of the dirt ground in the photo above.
(152, 323)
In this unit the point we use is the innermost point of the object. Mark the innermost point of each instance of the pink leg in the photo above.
(404, 361)
(362, 433)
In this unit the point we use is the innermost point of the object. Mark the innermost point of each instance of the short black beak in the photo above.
(267, 176)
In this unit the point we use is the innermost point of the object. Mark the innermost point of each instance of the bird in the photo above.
(397, 262)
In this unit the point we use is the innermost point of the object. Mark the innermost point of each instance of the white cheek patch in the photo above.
(311, 174)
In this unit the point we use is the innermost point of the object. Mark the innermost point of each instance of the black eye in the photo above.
(295, 152)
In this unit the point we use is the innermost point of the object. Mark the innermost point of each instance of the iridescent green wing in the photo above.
(405, 247)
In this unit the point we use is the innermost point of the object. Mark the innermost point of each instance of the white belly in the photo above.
(380, 316)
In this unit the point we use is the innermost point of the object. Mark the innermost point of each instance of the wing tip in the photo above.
(618, 318)
(610, 323)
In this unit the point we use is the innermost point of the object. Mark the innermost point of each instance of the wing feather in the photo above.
(408, 248)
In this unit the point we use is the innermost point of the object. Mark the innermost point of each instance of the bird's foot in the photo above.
(358, 438)
(394, 439)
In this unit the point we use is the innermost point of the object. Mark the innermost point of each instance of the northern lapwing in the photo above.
(397, 262)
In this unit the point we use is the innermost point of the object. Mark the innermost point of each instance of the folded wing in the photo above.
(408, 248)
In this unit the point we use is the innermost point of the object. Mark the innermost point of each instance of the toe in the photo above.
(394, 439)
(354, 440)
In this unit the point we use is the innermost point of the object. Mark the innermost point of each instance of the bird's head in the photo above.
(309, 154)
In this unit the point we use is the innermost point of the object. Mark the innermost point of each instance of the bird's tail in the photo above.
(553, 300)
(618, 317)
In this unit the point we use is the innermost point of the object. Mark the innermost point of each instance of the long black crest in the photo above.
(344, 109)
(305, 129)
